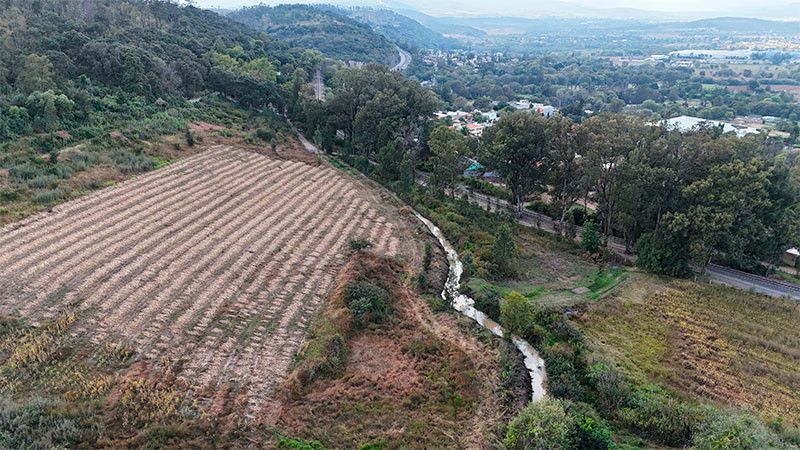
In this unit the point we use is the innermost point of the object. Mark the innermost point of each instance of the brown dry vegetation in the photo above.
(419, 380)
(210, 269)
(706, 342)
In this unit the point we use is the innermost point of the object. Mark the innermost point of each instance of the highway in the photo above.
(405, 60)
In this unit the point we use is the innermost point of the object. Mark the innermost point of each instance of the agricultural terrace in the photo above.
(213, 267)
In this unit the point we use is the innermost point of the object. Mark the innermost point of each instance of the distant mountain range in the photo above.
(556, 8)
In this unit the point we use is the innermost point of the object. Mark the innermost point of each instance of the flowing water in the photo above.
(465, 305)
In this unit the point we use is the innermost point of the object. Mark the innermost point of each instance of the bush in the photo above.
(659, 255)
(299, 444)
(564, 372)
(358, 245)
(590, 432)
(725, 430)
(613, 390)
(590, 237)
(366, 301)
(663, 419)
(540, 425)
(130, 162)
(516, 314)
(426, 259)
(34, 425)
(488, 303)
(542, 207)
(265, 134)
(43, 181)
(49, 196)
(504, 250)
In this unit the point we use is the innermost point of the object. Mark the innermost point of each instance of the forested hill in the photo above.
(399, 28)
(331, 33)
(89, 63)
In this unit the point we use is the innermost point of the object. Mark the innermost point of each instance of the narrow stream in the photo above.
(465, 305)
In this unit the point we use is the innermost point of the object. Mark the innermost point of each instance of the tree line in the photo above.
(674, 198)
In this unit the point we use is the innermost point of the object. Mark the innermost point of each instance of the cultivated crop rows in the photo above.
(214, 266)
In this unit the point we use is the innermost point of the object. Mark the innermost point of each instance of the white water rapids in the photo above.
(465, 305)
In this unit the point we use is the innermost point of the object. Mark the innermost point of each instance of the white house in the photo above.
(688, 123)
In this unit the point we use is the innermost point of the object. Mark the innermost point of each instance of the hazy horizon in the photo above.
(677, 9)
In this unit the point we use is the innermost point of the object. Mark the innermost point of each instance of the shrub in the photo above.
(366, 301)
(504, 250)
(564, 375)
(49, 196)
(542, 207)
(516, 313)
(659, 255)
(35, 425)
(540, 425)
(488, 303)
(613, 391)
(729, 431)
(43, 181)
(189, 138)
(358, 245)
(299, 444)
(663, 419)
(590, 431)
(590, 237)
(265, 134)
(426, 259)
(131, 162)
(9, 195)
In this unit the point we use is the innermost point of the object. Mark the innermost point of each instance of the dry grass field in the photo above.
(706, 342)
(212, 268)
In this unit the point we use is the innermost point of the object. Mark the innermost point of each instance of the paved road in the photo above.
(405, 60)
(749, 282)
(319, 87)
(718, 274)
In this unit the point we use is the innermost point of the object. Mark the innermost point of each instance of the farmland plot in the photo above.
(213, 267)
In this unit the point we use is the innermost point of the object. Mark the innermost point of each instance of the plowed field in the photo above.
(212, 267)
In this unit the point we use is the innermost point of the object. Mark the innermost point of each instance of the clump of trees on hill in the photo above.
(320, 28)
(65, 65)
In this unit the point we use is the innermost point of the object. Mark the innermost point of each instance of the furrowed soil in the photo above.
(210, 270)
(180, 309)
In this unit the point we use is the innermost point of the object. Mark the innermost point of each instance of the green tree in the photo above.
(565, 176)
(605, 142)
(449, 149)
(516, 313)
(542, 425)
(517, 149)
(504, 249)
(725, 211)
(36, 74)
(590, 237)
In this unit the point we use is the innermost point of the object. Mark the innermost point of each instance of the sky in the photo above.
(745, 8)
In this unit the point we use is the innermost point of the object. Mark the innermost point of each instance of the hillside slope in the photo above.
(87, 88)
(322, 29)
(401, 29)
